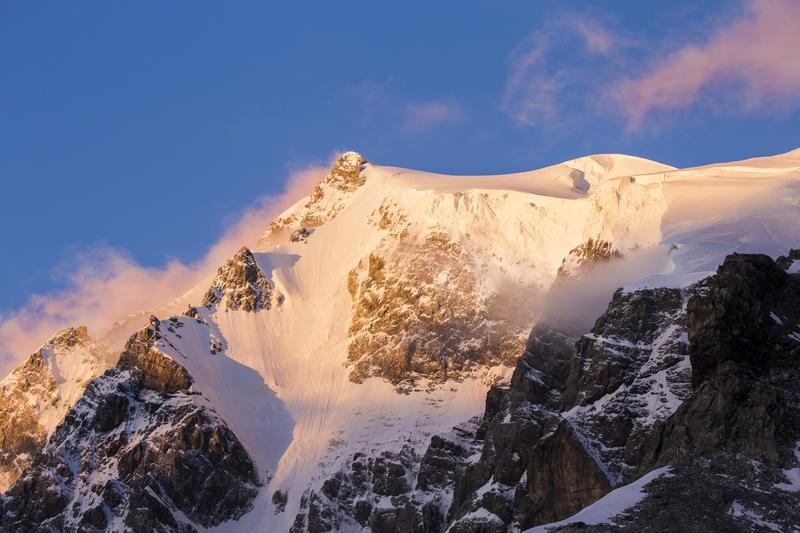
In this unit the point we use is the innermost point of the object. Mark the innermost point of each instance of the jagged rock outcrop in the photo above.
(790, 261)
(392, 492)
(732, 449)
(585, 256)
(744, 332)
(571, 424)
(241, 285)
(37, 394)
(138, 452)
(330, 196)
(426, 317)
(567, 430)
(301, 235)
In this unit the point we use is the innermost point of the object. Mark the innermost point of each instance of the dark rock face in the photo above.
(745, 316)
(745, 353)
(570, 426)
(136, 453)
(566, 431)
(240, 284)
(279, 499)
(565, 477)
(393, 492)
(732, 447)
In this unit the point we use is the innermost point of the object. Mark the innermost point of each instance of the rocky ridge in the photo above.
(419, 314)
(701, 381)
(39, 392)
(138, 452)
(596, 395)
(329, 197)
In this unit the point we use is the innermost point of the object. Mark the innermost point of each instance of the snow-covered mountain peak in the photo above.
(377, 311)
(330, 196)
(345, 173)
(35, 397)
(70, 337)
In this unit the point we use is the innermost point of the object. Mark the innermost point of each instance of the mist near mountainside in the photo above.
(106, 285)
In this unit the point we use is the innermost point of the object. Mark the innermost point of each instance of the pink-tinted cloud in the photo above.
(534, 89)
(755, 56)
(597, 39)
(107, 285)
(421, 116)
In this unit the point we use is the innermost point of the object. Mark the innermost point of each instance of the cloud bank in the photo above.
(755, 58)
(106, 284)
(575, 67)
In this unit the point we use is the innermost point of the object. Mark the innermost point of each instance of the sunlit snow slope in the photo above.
(388, 300)
(509, 234)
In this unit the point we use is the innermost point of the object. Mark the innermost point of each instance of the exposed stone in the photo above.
(562, 476)
(36, 395)
(745, 355)
(734, 443)
(151, 367)
(392, 492)
(241, 285)
(279, 499)
(139, 448)
(784, 262)
(301, 235)
(585, 256)
(424, 318)
(331, 195)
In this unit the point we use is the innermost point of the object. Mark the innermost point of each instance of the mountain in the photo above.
(407, 351)
(35, 397)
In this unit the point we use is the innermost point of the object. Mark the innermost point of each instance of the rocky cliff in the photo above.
(240, 284)
(341, 360)
(694, 391)
(35, 397)
(138, 452)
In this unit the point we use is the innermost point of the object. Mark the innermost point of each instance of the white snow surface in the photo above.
(521, 226)
(281, 382)
(71, 368)
(612, 504)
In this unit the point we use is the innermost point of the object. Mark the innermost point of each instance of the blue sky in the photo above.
(146, 127)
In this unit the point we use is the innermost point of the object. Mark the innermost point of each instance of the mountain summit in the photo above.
(409, 351)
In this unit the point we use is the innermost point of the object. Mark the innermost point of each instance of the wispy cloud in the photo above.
(597, 39)
(755, 58)
(105, 284)
(421, 116)
(536, 85)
